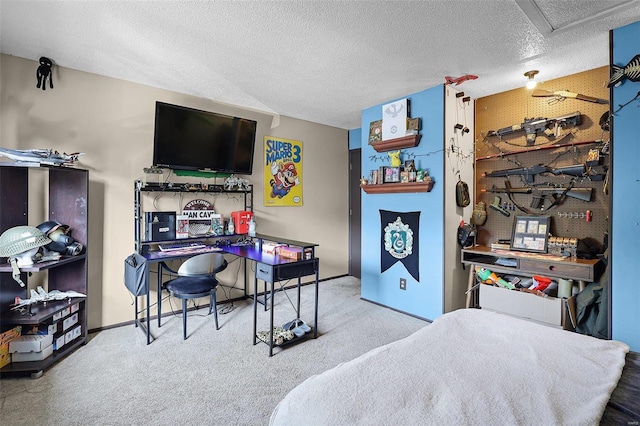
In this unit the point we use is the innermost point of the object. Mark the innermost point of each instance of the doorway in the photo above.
(355, 209)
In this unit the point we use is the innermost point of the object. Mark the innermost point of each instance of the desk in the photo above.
(269, 268)
(551, 266)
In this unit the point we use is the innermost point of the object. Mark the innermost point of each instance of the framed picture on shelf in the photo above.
(530, 233)
(375, 131)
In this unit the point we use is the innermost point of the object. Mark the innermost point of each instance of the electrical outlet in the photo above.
(403, 283)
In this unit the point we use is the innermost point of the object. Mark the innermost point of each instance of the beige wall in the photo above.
(112, 121)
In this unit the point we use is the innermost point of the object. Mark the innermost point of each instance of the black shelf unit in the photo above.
(140, 245)
(67, 190)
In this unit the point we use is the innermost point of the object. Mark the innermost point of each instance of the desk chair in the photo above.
(196, 278)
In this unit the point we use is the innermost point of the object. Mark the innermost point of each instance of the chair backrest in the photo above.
(203, 264)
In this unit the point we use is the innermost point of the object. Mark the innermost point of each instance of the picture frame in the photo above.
(410, 165)
(530, 233)
(375, 132)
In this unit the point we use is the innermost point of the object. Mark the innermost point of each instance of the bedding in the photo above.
(469, 366)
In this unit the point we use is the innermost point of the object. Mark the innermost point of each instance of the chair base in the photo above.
(177, 289)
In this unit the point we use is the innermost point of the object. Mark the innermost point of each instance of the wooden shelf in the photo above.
(396, 188)
(397, 143)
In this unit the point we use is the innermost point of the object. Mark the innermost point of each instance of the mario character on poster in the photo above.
(282, 172)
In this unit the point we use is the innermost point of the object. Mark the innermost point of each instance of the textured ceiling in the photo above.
(321, 61)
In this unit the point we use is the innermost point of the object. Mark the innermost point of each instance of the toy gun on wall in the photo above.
(534, 127)
(561, 95)
(529, 172)
(558, 194)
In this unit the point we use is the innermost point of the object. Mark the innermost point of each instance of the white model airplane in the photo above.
(42, 296)
(41, 156)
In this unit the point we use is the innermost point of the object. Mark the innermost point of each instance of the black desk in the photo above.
(269, 268)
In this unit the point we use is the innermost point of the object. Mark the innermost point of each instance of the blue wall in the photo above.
(625, 280)
(355, 141)
(425, 298)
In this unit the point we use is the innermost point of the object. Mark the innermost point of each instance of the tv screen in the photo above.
(191, 139)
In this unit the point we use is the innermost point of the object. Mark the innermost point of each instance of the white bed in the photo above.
(470, 366)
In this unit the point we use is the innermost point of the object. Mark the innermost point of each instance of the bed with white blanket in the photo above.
(470, 366)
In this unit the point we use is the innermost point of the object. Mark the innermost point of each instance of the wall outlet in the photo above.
(403, 283)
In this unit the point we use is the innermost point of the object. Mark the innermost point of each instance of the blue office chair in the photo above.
(196, 278)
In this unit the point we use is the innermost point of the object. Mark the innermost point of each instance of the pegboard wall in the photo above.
(562, 146)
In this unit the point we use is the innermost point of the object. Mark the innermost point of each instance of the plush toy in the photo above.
(44, 71)
(394, 157)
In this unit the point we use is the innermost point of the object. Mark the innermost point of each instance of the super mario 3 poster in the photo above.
(282, 172)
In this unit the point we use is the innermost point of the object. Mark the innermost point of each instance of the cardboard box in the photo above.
(241, 221)
(525, 305)
(69, 322)
(217, 224)
(291, 252)
(32, 356)
(5, 339)
(271, 248)
(76, 332)
(58, 342)
(182, 226)
(72, 334)
(30, 343)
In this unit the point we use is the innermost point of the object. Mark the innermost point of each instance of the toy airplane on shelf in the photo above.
(41, 156)
(42, 296)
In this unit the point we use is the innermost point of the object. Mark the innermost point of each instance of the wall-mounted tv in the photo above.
(191, 139)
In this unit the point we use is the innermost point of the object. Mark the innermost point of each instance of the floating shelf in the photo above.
(397, 143)
(394, 188)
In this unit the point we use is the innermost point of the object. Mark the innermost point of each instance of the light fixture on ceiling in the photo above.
(531, 83)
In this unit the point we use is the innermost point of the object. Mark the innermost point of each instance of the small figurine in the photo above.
(363, 181)
(394, 157)
(44, 72)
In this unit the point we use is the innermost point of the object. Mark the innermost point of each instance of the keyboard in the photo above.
(183, 245)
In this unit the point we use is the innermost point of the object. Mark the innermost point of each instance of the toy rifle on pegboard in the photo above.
(540, 193)
(561, 95)
(535, 127)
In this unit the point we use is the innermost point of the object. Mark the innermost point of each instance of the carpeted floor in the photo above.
(215, 377)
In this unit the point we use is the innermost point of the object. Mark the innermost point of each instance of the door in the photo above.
(355, 194)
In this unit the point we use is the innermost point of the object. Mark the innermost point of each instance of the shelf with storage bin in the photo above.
(409, 141)
(67, 193)
(397, 188)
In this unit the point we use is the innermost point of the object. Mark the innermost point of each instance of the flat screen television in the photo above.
(191, 139)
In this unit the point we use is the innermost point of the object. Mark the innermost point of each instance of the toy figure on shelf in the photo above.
(394, 157)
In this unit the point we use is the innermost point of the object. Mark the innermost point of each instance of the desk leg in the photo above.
(470, 283)
(135, 307)
(159, 295)
(255, 309)
(298, 305)
(271, 320)
(148, 304)
(315, 317)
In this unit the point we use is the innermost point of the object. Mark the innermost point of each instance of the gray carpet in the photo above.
(215, 377)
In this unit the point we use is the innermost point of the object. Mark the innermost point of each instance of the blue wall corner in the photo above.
(625, 297)
(424, 298)
(355, 141)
